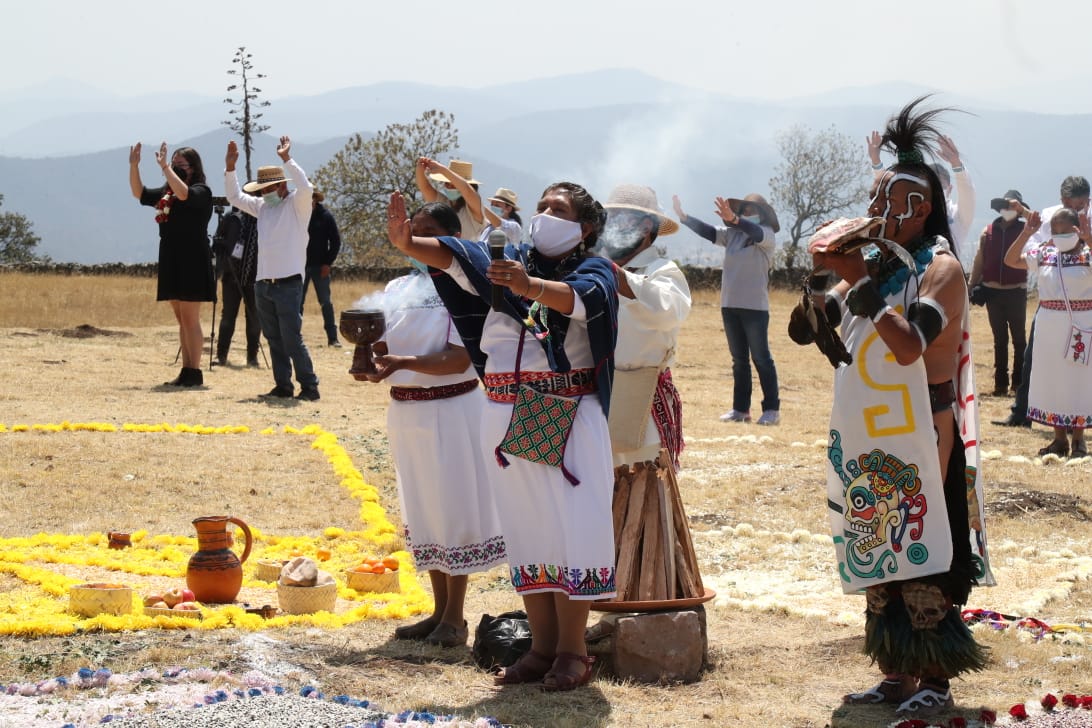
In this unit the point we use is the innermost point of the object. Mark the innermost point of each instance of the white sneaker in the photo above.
(735, 416)
(770, 417)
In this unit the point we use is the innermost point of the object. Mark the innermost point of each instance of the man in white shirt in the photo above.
(646, 410)
(282, 217)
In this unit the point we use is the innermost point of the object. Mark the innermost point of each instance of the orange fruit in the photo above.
(391, 563)
(294, 554)
(370, 561)
(379, 569)
(323, 554)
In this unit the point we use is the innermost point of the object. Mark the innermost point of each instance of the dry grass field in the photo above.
(784, 642)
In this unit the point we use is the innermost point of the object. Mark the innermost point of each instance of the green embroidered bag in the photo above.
(540, 426)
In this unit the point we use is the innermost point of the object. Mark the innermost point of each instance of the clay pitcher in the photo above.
(215, 573)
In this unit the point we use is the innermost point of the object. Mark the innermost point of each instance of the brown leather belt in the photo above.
(941, 396)
(423, 394)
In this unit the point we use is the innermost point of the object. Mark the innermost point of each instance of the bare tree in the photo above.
(243, 119)
(359, 179)
(819, 176)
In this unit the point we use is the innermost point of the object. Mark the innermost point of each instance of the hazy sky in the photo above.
(767, 49)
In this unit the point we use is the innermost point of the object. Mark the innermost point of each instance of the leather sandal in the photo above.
(445, 635)
(530, 668)
(885, 691)
(417, 630)
(1056, 447)
(562, 676)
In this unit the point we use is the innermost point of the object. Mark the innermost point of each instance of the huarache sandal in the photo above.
(926, 702)
(417, 630)
(530, 668)
(1056, 447)
(570, 671)
(888, 690)
(447, 635)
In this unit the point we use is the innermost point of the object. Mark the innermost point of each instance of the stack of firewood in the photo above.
(654, 554)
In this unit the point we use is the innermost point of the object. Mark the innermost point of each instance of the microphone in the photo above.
(497, 241)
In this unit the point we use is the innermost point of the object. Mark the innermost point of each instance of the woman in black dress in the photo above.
(183, 209)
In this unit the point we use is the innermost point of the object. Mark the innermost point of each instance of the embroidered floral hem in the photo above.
(458, 560)
(578, 583)
(1057, 419)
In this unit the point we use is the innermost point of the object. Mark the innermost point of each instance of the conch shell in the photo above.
(844, 235)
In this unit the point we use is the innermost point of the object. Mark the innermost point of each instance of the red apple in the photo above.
(173, 596)
(151, 599)
(187, 607)
(159, 605)
(188, 595)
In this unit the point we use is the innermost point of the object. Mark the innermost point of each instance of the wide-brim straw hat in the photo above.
(769, 217)
(459, 167)
(506, 196)
(267, 177)
(642, 199)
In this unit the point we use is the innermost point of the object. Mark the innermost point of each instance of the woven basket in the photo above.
(89, 600)
(307, 599)
(378, 583)
(183, 613)
(268, 569)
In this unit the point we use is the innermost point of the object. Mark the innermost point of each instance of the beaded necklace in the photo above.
(892, 274)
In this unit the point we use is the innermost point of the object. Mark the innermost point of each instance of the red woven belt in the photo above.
(421, 394)
(502, 387)
(1059, 305)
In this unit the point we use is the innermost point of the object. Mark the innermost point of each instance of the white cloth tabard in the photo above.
(450, 519)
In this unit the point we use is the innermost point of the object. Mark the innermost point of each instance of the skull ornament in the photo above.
(872, 511)
(925, 604)
(876, 598)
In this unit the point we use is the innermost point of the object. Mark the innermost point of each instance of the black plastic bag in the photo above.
(500, 641)
(980, 295)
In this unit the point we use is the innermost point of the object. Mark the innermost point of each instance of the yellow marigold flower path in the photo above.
(40, 606)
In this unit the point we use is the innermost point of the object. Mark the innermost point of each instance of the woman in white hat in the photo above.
(455, 185)
(183, 206)
(502, 213)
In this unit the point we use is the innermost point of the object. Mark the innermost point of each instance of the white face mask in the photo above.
(1065, 242)
(553, 236)
(1009, 215)
(755, 219)
(272, 198)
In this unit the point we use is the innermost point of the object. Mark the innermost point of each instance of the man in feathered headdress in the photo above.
(902, 495)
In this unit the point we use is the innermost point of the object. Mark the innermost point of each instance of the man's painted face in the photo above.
(896, 196)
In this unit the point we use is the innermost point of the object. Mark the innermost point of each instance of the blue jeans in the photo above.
(279, 311)
(313, 274)
(746, 331)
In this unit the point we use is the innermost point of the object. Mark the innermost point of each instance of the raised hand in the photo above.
(724, 210)
(134, 154)
(1033, 222)
(284, 149)
(398, 224)
(677, 204)
(873, 142)
(231, 157)
(949, 152)
(161, 157)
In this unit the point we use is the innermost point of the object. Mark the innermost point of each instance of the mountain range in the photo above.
(64, 147)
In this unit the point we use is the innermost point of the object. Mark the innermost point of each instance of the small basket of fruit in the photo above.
(96, 598)
(174, 602)
(374, 575)
(269, 569)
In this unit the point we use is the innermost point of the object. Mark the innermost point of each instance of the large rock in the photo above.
(659, 647)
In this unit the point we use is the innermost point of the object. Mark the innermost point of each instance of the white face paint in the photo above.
(886, 214)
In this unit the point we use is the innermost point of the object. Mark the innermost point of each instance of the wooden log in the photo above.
(682, 529)
(652, 566)
(667, 528)
(623, 484)
(628, 543)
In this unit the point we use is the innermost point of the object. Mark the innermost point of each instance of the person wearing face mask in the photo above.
(455, 185)
(433, 422)
(748, 239)
(903, 496)
(502, 212)
(1059, 395)
(646, 409)
(1003, 290)
(323, 245)
(1074, 192)
(554, 333)
(183, 207)
(283, 216)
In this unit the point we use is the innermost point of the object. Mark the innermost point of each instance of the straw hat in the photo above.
(767, 213)
(642, 199)
(267, 177)
(506, 196)
(459, 167)
(1002, 203)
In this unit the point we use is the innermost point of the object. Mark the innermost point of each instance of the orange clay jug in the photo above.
(215, 573)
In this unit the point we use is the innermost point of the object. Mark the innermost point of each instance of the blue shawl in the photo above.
(592, 278)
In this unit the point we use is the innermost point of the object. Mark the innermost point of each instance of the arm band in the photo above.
(927, 318)
(864, 299)
(833, 309)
